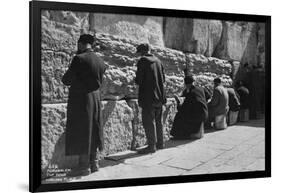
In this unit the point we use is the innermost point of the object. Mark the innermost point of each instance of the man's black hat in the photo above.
(142, 48)
(217, 80)
(86, 39)
(188, 79)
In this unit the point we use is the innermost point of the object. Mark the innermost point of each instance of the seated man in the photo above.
(191, 114)
(219, 102)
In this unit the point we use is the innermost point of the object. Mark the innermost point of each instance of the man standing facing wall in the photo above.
(84, 134)
(150, 78)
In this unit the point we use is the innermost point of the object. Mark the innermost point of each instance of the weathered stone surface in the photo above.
(238, 42)
(199, 36)
(53, 139)
(198, 63)
(77, 19)
(117, 122)
(206, 80)
(119, 54)
(59, 37)
(174, 61)
(138, 28)
(169, 111)
(54, 65)
(117, 117)
(119, 83)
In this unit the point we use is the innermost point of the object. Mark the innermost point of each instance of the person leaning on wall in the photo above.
(150, 79)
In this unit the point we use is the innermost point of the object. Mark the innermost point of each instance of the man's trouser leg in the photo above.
(84, 166)
(94, 162)
(148, 118)
(211, 118)
(84, 161)
(159, 128)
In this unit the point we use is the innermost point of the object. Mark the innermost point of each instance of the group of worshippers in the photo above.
(84, 131)
(253, 79)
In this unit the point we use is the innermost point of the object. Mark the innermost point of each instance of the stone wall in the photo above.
(239, 41)
(117, 38)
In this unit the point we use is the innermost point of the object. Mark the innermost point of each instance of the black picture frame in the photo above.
(35, 8)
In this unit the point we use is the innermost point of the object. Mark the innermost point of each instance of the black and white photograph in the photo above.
(144, 96)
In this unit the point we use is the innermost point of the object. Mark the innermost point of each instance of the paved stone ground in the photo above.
(238, 148)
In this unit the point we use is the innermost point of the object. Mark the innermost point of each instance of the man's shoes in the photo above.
(95, 166)
(160, 146)
(147, 150)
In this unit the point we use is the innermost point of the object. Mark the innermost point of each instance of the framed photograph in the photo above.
(126, 96)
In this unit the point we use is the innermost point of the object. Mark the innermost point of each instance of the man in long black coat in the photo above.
(84, 134)
(150, 78)
(192, 113)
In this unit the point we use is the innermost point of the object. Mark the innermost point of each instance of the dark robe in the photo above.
(150, 78)
(84, 133)
(190, 114)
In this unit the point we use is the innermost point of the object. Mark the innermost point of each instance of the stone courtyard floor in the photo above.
(238, 148)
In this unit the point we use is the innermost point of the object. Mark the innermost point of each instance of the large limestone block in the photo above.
(198, 63)
(118, 117)
(206, 80)
(59, 37)
(174, 32)
(77, 19)
(119, 54)
(174, 85)
(139, 28)
(53, 66)
(139, 138)
(238, 42)
(118, 135)
(174, 61)
(200, 36)
(53, 139)
(58, 46)
(116, 51)
(119, 83)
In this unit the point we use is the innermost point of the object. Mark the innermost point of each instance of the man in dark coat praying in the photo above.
(192, 113)
(150, 78)
(84, 134)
